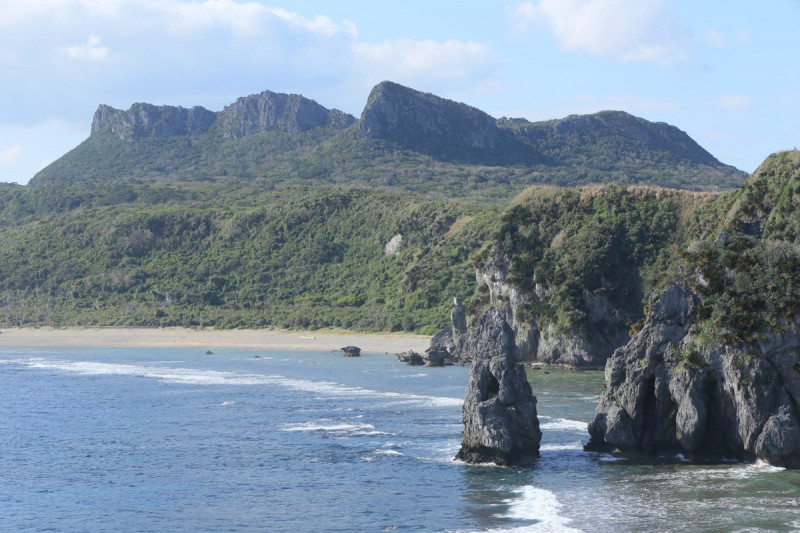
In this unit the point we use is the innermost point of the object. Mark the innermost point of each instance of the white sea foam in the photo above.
(561, 447)
(341, 427)
(192, 376)
(533, 503)
(229, 402)
(552, 424)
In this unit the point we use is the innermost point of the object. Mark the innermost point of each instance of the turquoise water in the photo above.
(175, 440)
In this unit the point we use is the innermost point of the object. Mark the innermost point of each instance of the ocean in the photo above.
(146, 440)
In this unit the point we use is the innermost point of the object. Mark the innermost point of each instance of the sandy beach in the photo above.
(208, 339)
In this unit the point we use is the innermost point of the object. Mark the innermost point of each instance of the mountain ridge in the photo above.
(401, 135)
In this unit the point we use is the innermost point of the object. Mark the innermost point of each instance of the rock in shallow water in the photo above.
(351, 351)
(499, 412)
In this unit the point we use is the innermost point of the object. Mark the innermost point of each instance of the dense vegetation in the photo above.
(287, 228)
(234, 256)
(613, 241)
(740, 251)
(749, 272)
(406, 139)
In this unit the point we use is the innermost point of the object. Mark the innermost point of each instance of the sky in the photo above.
(725, 72)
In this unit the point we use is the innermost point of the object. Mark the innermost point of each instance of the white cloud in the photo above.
(734, 102)
(88, 51)
(10, 156)
(629, 30)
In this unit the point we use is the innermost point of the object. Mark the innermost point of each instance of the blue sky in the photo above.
(723, 71)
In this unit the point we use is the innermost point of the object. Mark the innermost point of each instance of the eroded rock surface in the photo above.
(667, 394)
(499, 412)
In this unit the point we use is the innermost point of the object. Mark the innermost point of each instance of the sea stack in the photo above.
(499, 412)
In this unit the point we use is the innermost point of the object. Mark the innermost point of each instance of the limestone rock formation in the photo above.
(667, 394)
(411, 358)
(267, 111)
(499, 412)
(606, 329)
(447, 344)
(437, 126)
(147, 120)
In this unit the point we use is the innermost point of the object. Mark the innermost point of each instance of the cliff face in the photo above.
(667, 394)
(568, 268)
(715, 371)
(589, 346)
(267, 111)
(146, 120)
(437, 126)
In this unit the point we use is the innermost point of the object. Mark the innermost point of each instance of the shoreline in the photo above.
(176, 337)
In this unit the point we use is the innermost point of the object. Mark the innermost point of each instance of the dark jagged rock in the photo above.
(447, 344)
(147, 120)
(435, 358)
(458, 318)
(411, 358)
(351, 351)
(499, 412)
(267, 111)
(667, 394)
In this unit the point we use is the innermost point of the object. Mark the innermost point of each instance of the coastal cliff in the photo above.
(568, 267)
(714, 372)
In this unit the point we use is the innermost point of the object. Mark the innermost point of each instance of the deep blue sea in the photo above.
(175, 440)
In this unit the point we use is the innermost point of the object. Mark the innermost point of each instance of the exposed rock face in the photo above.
(666, 394)
(448, 343)
(394, 243)
(290, 113)
(581, 349)
(267, 111)
(434, 125)
(411, 358)
(351, 351)
(499, 412)
(146, 120)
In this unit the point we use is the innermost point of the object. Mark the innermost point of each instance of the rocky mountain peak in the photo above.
(426, 122)
(266, 111)
(290, 113)
(147, 120)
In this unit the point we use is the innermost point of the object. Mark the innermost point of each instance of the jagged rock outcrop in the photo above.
(606, 328)
(267, 111)
(668, 394)
(411, 358)
(447, 344)
(147, 120)
(499, 412)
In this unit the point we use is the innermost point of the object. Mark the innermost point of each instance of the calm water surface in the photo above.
(174, 440)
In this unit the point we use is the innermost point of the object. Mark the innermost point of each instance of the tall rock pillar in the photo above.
(500, 421)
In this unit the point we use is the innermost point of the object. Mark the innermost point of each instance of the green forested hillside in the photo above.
(275, 212)
(237, 256)
(587, 261)
(404, 139)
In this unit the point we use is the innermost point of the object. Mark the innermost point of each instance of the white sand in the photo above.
(209, 339)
